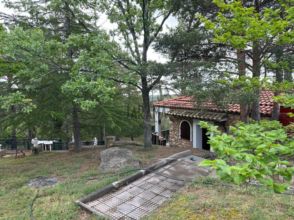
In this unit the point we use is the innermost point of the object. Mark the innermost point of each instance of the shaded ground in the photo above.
(210, 199)
(77, 175)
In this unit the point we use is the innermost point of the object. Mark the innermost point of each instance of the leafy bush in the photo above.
(255, 151)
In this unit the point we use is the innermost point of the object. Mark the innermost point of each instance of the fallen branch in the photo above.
(32, 206)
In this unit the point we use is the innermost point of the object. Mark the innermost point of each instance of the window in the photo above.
(185, 130)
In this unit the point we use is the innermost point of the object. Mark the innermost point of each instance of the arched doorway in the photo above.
(185, 130)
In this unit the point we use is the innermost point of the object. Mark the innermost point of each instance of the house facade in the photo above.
(185, 116)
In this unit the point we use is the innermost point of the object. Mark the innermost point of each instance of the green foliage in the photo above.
(197, 57)
(286, 100)
(17, 100)
(63, 63)
(51, 83)
(228, 89)
(260, 33)
(120, 116)
(246, 25)
(255, 151)
(286, 96)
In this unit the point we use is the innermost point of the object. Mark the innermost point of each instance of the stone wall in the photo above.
(174, 135)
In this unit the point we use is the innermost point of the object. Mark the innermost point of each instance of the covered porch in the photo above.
(185, 130)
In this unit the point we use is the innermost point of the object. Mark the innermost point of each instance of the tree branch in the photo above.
(131, 28)
(124, 82)
(128, 44)
(160, 26)
(79, 20)
(113, 79)
(157, 80)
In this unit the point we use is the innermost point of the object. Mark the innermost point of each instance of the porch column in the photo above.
(157, 121)
(197, 134)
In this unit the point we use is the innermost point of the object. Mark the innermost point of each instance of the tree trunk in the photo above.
(75, 109)
(30, 134)
(256, 66)
(30, 137)
(242, 72)
(279, 79)
(101, 133)
(13, 142)
(276, 109)
(13, 139)
(288, 76)
(160, 92)
(13, 133)
(145, 89)
(255, 113)
(76, 127)
(147, 114)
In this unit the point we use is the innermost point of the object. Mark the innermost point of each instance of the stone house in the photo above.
(185, 116)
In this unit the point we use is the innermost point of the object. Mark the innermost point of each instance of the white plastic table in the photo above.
(45, 143)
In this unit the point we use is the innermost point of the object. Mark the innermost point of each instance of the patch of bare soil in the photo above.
(42, 181)
(83, 215)
(13, 153)
(94, 159)
(163, 152)
(150, 156)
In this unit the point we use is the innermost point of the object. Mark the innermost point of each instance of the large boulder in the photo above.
(114, 159)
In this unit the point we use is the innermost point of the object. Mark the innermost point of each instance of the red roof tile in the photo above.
(187, 102)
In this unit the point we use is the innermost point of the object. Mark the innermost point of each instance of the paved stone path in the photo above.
(144, 195)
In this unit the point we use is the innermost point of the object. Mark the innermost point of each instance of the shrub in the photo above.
(255, 151)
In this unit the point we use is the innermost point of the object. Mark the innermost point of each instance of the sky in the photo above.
(3, 9)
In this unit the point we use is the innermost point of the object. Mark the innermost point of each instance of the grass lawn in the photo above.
(211, 199)
(79, 175)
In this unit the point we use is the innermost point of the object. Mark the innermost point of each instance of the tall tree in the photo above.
(190, 45)
(68, 51)
(254, 28)
(15, 104)
(138, 24)
(206, 57)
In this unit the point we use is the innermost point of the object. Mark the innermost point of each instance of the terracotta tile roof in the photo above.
(187, 102)
(199, 114)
